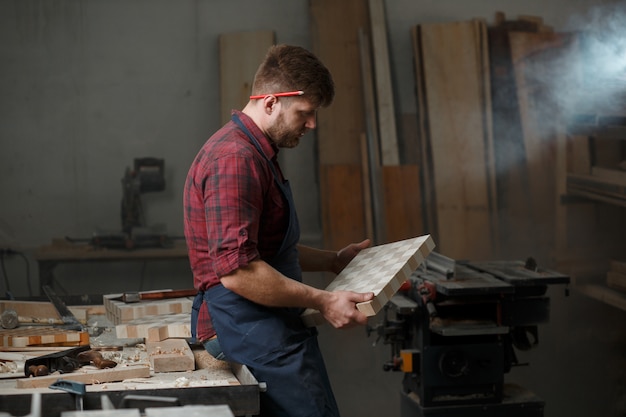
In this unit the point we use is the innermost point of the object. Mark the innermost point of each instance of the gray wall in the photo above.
(88, 85)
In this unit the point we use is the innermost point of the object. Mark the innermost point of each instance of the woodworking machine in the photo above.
(454, 328)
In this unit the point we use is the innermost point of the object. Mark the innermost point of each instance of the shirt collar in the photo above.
(269, 148)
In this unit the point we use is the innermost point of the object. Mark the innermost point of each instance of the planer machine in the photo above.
(454, 328)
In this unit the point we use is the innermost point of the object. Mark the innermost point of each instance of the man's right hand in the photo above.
(339, 308)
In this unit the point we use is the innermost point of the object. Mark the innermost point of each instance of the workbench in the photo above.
(63, 251)
(226, 384)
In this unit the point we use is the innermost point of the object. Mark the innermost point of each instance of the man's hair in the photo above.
(292, 68)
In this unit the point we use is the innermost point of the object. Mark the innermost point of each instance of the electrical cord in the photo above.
(7, 284)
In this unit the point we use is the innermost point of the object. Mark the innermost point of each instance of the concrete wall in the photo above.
(88, 85)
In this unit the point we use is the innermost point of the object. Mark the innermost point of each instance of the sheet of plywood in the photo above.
(372, 184)
(454, 90)
(156, 328)
(429, 197)
(379, 269)
(91, 376)
(334, 36)
(240, 55)
(119, 312)
(538, 59)
(42, 335)
(170, 355)
(403, 203)
(384, 88)
(343, 218)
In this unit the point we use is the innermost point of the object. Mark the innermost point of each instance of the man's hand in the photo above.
(345, 255)
(339, 308)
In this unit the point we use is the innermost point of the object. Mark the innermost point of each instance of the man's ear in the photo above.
(269, 104)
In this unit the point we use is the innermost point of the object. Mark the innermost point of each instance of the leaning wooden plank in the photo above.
(384, 88)
(455, 102)
(119, 373)
(428, 193)
(343, 218)
(334, 36)
(379, 269)
(240, 55)
(403, 205)
(538, 59)
(374, 181)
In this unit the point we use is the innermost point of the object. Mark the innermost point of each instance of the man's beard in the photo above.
(283, 136)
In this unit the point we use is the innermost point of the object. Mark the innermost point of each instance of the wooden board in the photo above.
(42, 335)
(616, 280)
(335, 27)
(379, 269)
(170, 355)
(384, 88)
(341, 193)
(240, 55)
(334, 35)
(96, 376)
(119, 312)
(538, 60)
(156, 328)
(403, 205)
(453, 78)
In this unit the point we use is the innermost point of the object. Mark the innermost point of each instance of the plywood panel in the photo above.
(403, 203)
(334, 35)
(452, 71)
(384, 87)
(343, 215)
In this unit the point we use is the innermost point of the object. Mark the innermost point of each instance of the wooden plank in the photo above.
(170, 355)
(334, 36)
(374, 180)
(429, 196)
(536, 62)
(240, 55)
(367, 194)
(388, 133)
(98, 376)
(454, 100)
(403, 204)
(343, 217)
(379, 269)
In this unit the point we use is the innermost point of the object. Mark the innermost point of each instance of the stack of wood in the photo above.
(484, 168)
(165, 326)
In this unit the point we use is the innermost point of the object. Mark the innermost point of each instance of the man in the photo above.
(242, 233)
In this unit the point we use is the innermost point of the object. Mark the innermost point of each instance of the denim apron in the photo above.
(273, 342)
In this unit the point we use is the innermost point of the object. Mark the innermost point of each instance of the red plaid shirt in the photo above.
(234, 210)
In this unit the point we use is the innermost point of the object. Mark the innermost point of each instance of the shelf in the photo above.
(605, 294)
